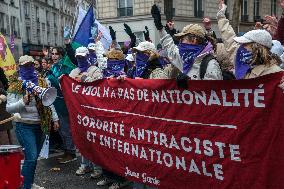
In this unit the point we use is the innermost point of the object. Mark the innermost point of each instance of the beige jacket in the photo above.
(93, 73)
(159, 73)
(227, 35)
(213, 71)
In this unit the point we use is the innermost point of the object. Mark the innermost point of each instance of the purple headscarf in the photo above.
(28, 73)
(243, 58)
(188, 54)
(114, 68)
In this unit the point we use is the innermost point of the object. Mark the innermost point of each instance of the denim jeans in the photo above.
(65, 132)
(29, 137)
(87, 163)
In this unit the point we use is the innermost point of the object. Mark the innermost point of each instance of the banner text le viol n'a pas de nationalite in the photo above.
(215, 134)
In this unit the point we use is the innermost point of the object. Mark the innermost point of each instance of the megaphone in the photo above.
(47, 95)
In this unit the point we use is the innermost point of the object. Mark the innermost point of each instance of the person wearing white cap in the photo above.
(250, 54)
(85, 71)
(147, 62)
(96, 53)
(34, 117)
(193, 48)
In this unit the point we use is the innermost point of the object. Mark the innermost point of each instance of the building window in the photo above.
(27, 9)
(198, 9)
(38, 36)
(273, 7)
(125, 8)
(37, 14)
(55, 19)
(256, 5)
(244, 10)
(2, 16)
(28, 31)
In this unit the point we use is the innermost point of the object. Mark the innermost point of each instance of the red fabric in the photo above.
(10, 166)
(244, 142)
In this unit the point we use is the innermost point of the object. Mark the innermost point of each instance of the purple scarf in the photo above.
(92, 58)
(188, 54)
(141, 64)
(114, 68)
(83, 63)
(243, 58)
(28, 73)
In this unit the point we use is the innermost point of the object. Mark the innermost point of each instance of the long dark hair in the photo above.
(4, 79)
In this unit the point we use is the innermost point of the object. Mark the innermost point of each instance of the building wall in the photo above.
(10, 23)
(108, 14)
(45, 21)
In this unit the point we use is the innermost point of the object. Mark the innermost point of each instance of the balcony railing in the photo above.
(126, 11)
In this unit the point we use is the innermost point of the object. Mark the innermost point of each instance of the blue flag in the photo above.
(83, 34)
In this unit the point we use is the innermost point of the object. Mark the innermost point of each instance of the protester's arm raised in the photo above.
(172, 50)
(100, 53)
(167, 40)
(227, 32)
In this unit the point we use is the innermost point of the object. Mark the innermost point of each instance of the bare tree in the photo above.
(236, 15)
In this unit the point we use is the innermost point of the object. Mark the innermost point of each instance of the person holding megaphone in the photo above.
(36, 114)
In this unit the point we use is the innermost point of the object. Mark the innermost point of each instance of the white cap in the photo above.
(261, 37)
(277, 48)
(25, 59)
(92, 46)
(129, 57)
(81, 51)
(145, 45)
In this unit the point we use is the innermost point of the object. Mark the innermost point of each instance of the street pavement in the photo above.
(49, 176)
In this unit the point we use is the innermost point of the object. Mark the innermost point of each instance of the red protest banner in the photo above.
(215, 134)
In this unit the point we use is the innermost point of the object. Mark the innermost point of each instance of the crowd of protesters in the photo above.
(192, 54)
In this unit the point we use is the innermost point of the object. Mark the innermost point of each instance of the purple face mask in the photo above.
(188, 54)
(92, 58)
(243, 58)
(83, 63)
(28, 73)
(141, 63)
(114, 68)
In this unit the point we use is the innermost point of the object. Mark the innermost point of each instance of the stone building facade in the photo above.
(10, 23)
(43, 23)
(137, 14)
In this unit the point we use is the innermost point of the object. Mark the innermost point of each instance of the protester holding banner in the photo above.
(35, 118)
(249, 53)
(85, 71)
(148, 65)
(193, 48)
(115, 64)
(57, 70)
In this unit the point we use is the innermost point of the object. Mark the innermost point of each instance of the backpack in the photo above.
(227, 75)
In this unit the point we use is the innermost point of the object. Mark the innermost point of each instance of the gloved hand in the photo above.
(157, 17)
(112, 33)
(146, 34)
(67, 34)
(182, 81)
(128, 30)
